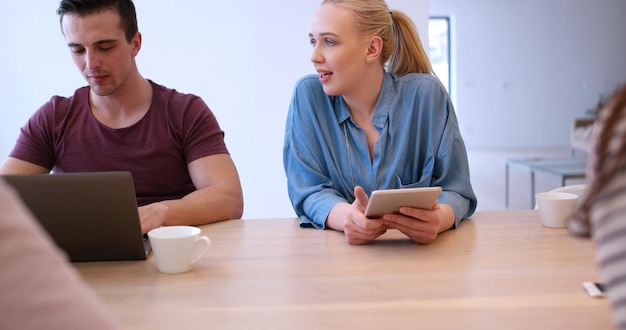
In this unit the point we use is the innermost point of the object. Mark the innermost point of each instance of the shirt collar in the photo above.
(383, 104)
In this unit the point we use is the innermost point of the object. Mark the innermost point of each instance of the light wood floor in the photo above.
(487, 171)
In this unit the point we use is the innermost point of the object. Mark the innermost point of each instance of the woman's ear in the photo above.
(374, 49)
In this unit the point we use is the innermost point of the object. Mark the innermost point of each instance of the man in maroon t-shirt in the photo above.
(169, 141)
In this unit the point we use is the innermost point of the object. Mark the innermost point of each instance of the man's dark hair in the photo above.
(125, 8)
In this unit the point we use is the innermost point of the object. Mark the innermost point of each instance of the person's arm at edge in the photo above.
(218, 197)
(40, 290)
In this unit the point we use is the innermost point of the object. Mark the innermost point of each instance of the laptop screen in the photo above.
(92, 216)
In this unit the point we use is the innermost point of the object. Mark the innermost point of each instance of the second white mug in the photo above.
(555, 208)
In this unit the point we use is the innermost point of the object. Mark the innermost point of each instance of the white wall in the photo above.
(242, 57)
(525, 69)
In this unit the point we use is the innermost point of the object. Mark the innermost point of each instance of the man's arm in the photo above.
(16, 166)
(218, 197)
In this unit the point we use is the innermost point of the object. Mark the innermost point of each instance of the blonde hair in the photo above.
(402, 51)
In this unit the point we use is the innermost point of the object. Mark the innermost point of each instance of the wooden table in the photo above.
(499, 270)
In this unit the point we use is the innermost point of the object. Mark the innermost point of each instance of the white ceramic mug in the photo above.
(555, 208)
(174, 247)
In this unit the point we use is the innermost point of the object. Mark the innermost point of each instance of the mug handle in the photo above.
(207, 242)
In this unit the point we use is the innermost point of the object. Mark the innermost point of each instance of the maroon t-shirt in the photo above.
(64, 136)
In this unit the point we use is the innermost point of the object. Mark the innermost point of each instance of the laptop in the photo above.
(92, 216)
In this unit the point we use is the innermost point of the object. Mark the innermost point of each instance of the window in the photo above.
(439, 41)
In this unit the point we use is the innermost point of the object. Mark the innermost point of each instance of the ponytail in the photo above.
(408, 55)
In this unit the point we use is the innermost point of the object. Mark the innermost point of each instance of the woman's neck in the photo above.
(362, 99)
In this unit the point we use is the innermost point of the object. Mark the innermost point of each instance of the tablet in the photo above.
(390, 200)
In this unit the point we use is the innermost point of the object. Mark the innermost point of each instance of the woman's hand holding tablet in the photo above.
(390, 200)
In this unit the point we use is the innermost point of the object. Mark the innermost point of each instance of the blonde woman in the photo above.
(373, 117)
(602, 213)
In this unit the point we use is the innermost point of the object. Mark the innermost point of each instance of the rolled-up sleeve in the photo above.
(452, 170)
(310, 189)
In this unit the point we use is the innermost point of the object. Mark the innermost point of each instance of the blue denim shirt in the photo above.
(325, 153)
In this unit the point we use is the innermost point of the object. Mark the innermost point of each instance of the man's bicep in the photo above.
(17, 166)
(212, 170)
